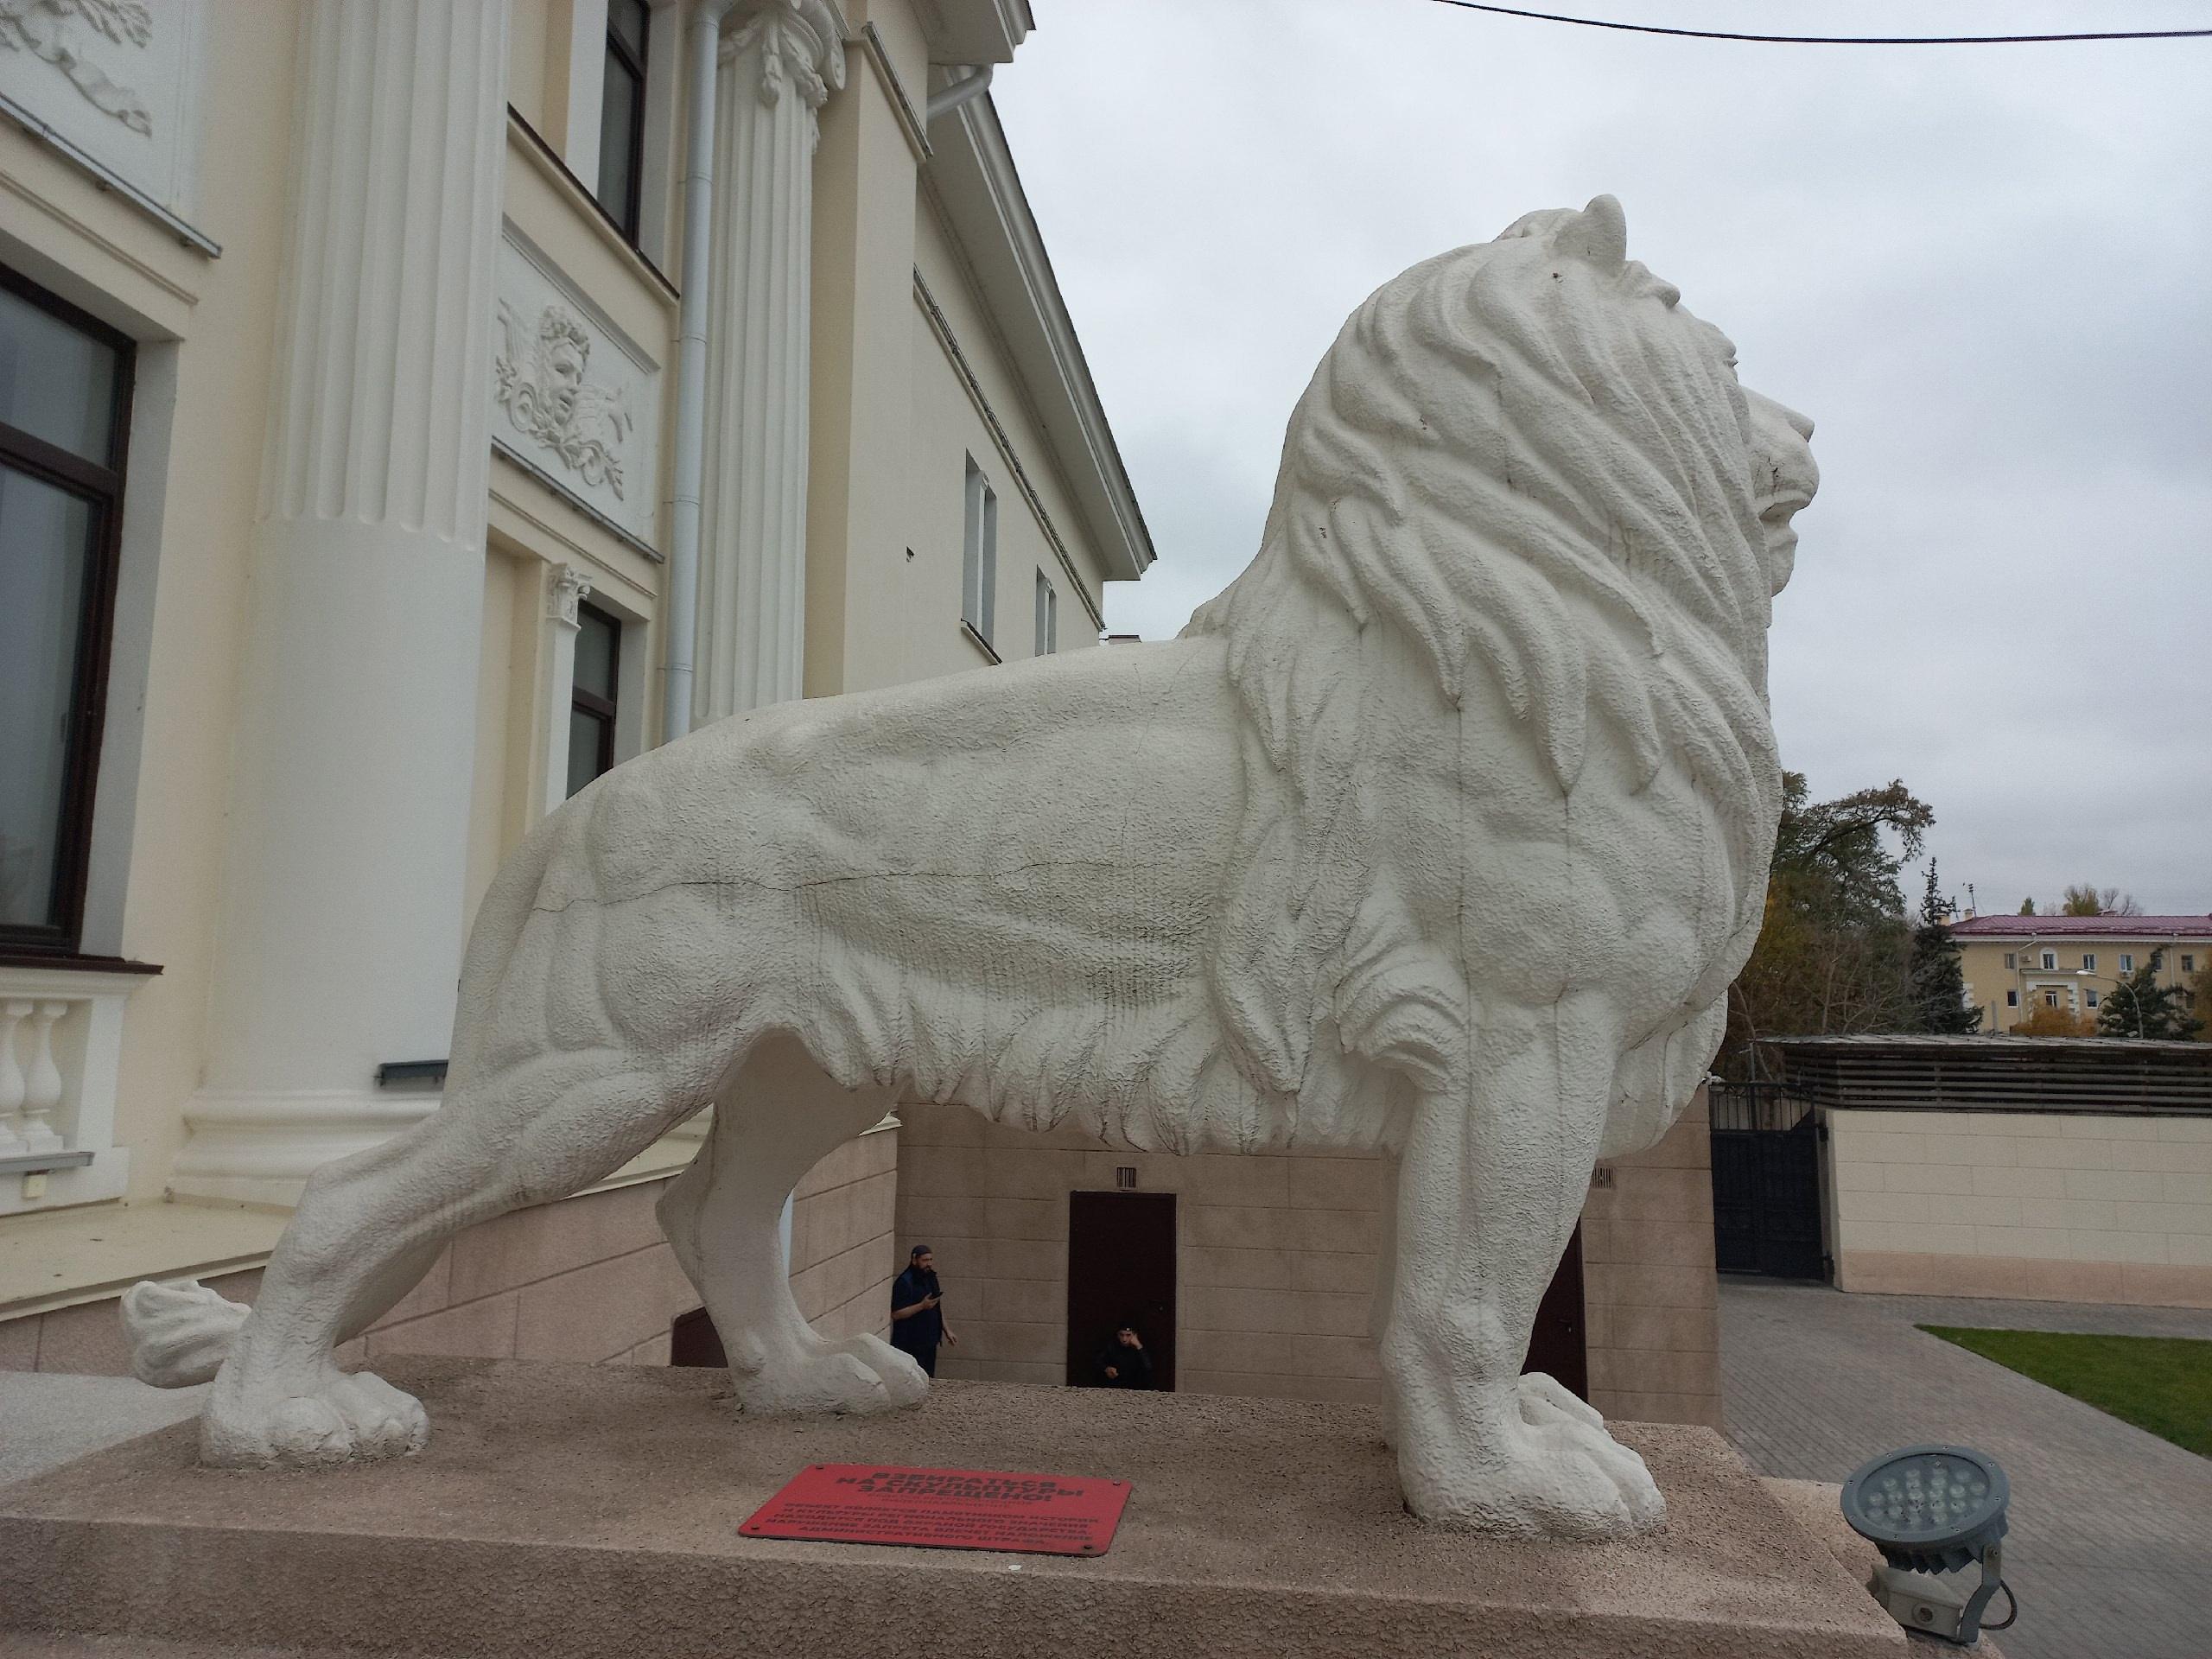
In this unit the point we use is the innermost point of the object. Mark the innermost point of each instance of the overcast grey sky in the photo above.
(1984, 271)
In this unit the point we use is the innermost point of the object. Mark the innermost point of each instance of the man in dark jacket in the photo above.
(1123, 1363)
(916, 1325)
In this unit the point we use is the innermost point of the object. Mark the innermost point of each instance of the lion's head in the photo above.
(1531, 463)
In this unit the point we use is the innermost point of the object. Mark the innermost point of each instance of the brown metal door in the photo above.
(1120, 1271)
(1558, 1345)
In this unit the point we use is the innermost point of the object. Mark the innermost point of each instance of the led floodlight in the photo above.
(1932, 1510)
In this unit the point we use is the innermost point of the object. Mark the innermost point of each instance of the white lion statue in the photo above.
(1442, 831)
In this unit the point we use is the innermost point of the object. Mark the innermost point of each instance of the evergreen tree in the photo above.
(1939, 984)
(2027, 906)
(2141, 1007)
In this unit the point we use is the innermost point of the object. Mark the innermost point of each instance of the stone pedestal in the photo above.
(577, 1510)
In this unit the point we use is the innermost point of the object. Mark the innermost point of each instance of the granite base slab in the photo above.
(565, 1509)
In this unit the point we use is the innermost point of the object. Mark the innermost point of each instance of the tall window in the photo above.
(2127, 962)
(2189, 965)
(2050, 961)
(979, 555)
(65, 410)
(2088, 962)
(1048, 617)
(591, 705)
(622, 113)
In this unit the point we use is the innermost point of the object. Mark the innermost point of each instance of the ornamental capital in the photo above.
(799, 43)
(566, 589)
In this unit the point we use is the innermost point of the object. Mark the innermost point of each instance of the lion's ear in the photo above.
(1598, 234)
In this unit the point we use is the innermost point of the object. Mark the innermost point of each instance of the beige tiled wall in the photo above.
(2058, 1206)
(586, 1278)
(1647, 1284)
(1277, 1260)
(843, 1254)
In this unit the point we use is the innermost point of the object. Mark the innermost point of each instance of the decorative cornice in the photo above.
(909, 121)
(943, 328)
(972, 183)
(801, 44)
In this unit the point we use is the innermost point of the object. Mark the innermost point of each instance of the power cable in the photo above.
(1834, 39)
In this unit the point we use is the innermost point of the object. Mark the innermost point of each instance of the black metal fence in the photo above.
(1766, 1182)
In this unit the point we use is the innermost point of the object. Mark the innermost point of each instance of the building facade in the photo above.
(409, 410)
(2017, 966)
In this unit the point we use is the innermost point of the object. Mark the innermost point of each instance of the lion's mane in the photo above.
(1524, 459)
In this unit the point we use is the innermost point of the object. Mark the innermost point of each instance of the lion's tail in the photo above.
(180, 1332)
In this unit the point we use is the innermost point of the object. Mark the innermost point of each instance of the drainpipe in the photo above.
(951, 96)
(680, 619)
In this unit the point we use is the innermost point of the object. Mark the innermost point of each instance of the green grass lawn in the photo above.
(2161, 1384)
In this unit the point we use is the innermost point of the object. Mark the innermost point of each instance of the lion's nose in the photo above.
(1801, 424)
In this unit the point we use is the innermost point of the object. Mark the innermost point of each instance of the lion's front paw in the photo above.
(1554, 1475)
(835, 1379)
(347, 1417)
(906, 1382)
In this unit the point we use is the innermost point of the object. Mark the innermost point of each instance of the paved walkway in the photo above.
(2111, 1540)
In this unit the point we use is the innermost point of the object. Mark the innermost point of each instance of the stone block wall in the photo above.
(587, 1279)
(1277, 1258)
(2053, 1207)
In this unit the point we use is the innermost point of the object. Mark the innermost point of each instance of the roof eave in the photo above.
(973, 178)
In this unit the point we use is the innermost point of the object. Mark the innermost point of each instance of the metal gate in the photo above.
(1766, 1183)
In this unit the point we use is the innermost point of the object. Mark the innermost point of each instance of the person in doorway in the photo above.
(1123, 1363)
(917, 1323)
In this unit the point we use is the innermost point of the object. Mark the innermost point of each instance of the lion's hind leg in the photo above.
(369, 1226)
(779, 1116)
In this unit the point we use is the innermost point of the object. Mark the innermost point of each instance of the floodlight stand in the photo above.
(1933, 1604)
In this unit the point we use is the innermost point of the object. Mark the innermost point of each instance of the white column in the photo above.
(342, 908)
(779, 61)
(565, 588)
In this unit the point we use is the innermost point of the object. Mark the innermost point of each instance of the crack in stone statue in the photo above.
(1455, 813)
(541, 385)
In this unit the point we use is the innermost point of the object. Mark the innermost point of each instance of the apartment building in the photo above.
(2015, 965)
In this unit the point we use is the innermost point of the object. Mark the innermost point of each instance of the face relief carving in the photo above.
(540, 381)
(1441, 832)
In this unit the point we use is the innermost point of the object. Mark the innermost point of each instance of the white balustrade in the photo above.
(42, 1082)
(60, 1055)
(13, 1087)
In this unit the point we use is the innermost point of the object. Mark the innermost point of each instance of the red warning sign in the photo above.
(945, 1508)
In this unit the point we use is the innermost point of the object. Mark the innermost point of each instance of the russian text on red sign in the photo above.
(945, 1508)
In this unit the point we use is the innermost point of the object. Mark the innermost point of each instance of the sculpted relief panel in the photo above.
(573, 397)
(119, 80)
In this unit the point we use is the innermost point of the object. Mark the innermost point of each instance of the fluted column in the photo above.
(780, 59)
(342, 907)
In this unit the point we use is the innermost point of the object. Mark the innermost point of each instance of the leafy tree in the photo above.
(2094, 901)
(2044, 1020)
(1939, 981)
(2139, 1007)
(2027, 906)
(1833, 952)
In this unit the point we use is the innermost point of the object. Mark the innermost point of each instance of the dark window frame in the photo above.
(634, 65)
(102, 488)
(602, 709)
